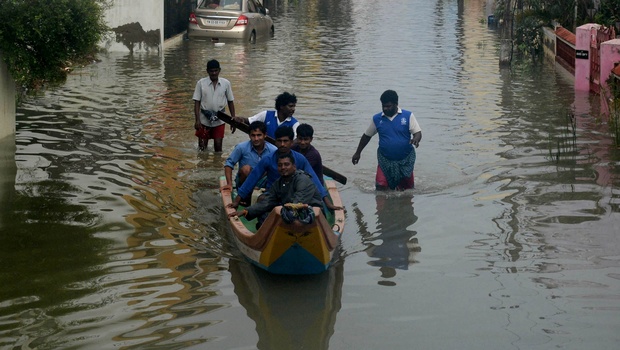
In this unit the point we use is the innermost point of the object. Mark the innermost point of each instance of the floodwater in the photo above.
(112, 235)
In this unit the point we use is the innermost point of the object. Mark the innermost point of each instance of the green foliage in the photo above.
(609, 12)
(501, 8)
(529, 37)
(614, 87)
(42, 40)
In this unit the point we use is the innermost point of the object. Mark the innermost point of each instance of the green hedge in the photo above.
(42, 40)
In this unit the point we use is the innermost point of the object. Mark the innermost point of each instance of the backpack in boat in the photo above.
(305, 214)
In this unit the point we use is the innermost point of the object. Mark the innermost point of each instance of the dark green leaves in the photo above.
(41, 40)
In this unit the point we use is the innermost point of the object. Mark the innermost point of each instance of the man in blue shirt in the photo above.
(398, 132)
(283, 115)
(284, 140)
(247, 154)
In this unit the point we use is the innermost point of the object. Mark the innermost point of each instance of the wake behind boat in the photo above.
(282, 248)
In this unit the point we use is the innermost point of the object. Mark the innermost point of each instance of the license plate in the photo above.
(216, 22)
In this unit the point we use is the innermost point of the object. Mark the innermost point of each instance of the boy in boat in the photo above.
(247, 154)
(211, 95)
(284, 140)
(283, 115)
(398, 130)
(294, 186)
(303, 145)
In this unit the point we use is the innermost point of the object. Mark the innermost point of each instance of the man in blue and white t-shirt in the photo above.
(398, 132)
(283, 115)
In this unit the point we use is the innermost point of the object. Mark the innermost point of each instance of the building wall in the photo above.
(137, 26)
(7, 101)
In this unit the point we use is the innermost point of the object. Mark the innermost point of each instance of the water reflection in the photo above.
(8, 171)
(290, 312)
(170, 311)
(393, 246)
(47, 257)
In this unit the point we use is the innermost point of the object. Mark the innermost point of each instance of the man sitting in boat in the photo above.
(283, 115)
(247, 154)
(284, 140)
(305, 134)
(293, 187)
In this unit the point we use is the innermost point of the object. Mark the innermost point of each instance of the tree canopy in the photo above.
(41, 40)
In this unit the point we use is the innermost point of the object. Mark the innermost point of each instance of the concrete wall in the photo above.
(137, 26)
(7, 101)
(549, 44)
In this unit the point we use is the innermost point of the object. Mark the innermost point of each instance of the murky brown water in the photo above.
(112, 236)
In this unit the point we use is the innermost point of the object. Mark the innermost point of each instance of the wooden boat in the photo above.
(281, 248)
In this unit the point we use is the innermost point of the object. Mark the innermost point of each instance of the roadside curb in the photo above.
(175, 40)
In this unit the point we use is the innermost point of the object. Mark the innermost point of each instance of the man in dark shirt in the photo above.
(305, 134)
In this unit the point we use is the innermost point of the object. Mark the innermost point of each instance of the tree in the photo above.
(609, 12)
(42, 40)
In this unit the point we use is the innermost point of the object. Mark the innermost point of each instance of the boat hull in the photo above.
(282, 248)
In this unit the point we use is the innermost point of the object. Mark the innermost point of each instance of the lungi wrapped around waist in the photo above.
(396, 170)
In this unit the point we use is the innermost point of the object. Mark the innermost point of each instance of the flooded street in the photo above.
(112, 233)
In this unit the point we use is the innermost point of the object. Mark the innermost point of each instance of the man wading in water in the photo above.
(398, 130)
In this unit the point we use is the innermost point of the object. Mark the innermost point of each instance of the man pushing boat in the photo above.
(282, 116)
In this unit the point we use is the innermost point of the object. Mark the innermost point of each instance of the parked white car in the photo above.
(244, 20)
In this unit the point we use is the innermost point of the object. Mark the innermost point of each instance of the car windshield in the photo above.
(221, 5)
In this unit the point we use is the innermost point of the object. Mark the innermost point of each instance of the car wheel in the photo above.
(253, 37)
